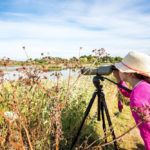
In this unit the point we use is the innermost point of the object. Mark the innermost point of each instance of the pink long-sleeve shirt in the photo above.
(140, 107)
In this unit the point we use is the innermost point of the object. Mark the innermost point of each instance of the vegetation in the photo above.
(56, 63)
(37, 113)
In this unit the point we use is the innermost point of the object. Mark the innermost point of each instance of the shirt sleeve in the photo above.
(143, 112)
(140, 104)
(124, 92)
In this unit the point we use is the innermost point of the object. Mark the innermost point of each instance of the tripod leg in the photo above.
(109, 122)
(85, 115)
(99, 108)
(103, 121)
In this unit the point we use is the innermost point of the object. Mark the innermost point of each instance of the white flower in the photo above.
(12, 116)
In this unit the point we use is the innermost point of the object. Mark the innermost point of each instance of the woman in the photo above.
(135, 69)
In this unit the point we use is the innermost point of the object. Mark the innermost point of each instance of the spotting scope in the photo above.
(102, 70)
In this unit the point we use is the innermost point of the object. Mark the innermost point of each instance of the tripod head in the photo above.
(98, 78)
(96, 81)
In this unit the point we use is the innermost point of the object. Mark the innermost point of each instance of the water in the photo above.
(10, 73)
(9, 68)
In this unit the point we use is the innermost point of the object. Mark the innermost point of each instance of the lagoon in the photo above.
(10, 73)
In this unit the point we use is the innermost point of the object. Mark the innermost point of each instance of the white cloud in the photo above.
(116, 26)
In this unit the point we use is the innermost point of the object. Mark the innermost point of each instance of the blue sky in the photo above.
(61, 27)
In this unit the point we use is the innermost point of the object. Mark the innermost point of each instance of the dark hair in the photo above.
(142, 77)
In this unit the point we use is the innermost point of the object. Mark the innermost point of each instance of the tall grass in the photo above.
(49, 113)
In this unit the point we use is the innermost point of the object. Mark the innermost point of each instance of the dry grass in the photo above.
(50, 111)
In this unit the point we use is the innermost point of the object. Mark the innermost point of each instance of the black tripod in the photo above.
(102, 108)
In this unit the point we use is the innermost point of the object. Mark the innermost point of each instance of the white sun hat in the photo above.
(135, 62)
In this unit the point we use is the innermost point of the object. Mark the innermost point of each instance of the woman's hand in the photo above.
(116, 75)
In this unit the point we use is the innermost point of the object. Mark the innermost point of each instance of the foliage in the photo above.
(39, 113)
(50, 112)
(99, 56)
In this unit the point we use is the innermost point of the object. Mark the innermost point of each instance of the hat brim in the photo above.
(121, 67)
